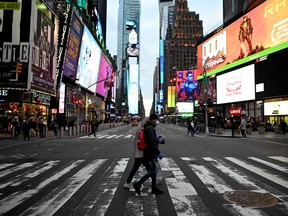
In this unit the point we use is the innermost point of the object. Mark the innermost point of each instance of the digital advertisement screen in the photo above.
(89, 61)
(259, 32)
(104, 77)
(186, 86)
(62, 94)
(73, 47)
(44, 50)
(210, 89)
(185, 107)
(237, 85)
(276, 108)
(133, 88)
(171, 96)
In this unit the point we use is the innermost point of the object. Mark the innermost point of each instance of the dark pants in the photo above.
(152, 170)
(92, 132)
(41, 133)
(137, 164)
(243, 132)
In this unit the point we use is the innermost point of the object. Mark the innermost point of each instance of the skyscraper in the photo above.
(128, 28)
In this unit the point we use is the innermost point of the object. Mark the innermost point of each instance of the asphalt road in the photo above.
(203, 175)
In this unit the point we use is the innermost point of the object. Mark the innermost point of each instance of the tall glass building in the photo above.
(128, 54)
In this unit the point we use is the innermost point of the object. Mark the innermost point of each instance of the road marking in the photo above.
(280, 158)
(182, 193)
(17, 198)
(259, 171)
(274, 166)
(49, 204)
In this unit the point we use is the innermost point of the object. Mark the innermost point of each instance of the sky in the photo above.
(210, 12)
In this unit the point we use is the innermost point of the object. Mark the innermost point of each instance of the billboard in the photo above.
(73, 47)
(89, 61)
(14, 43)
(237, 85)
(185, 107)
(133, 88)
(186, 86)
(44, 48)
(171, 96)
(276, 108)
(104, 77)
(257, 33)
(207, 91)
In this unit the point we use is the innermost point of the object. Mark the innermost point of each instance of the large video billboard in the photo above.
(44, 48)
(73, 47)
(186, 86)
(89, 61)
(133, 88)
(14, 43)
(257, 33)
(104, 77)
(237, 85)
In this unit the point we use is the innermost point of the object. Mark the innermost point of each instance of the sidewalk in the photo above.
(6, 139)
(255, 134)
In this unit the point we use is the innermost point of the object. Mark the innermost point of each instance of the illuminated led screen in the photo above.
(257, 33)
(185, 107)
(186, 86)
(73, 47)
(133, 88)
(104, 77)
(237, 85)
(89, 61)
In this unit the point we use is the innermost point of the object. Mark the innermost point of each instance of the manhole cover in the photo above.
(250, 199)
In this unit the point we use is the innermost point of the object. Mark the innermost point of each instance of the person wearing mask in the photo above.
(150, 155)
(138, 159)
(243, 128)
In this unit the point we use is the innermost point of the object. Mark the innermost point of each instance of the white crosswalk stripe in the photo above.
(107, 136)
(92, 187)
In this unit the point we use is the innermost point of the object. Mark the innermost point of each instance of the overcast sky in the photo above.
(210, 12)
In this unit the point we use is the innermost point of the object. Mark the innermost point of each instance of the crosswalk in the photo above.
(192, 185)
(108, 136)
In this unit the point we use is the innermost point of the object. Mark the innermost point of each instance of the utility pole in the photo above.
(206, 83)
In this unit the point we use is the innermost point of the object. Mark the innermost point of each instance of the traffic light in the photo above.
(19, 68)
(112, 81)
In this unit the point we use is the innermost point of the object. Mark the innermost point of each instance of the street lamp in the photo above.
(206, 83)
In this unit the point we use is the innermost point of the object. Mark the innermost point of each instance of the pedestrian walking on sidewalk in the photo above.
(26, 130)
(283, 126)
(233, 126)
(55, 128)
(150, 155)
(41, 127)
(243, 128)
(94, 128)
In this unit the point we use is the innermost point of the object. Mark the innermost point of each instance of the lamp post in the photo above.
(206, 83)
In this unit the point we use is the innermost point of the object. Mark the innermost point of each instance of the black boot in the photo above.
(155, 190)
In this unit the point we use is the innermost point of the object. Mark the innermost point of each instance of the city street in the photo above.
(203, 175)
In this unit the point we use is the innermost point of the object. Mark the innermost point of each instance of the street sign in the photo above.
(206, 81)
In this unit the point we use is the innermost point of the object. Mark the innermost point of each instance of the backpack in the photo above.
(141, 142)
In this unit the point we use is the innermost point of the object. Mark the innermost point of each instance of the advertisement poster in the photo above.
(45, 34)
(133, 88)
(14, 43)
(237, 85)
(207, 91)
(186, 85)
(264, 29)
(104, 77)
(73, 47)
(89, 61)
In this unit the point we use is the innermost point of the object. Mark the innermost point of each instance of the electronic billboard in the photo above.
(260, 32)
(89, 61)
